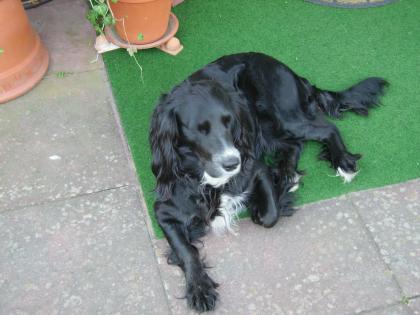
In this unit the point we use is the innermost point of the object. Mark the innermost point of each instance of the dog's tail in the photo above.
(359, 98)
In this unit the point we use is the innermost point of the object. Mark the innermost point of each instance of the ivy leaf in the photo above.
(140, 36)
(99, 15)
(114, 1)
(92, 16)
(1, 50)
(108, 20)
(101, 9)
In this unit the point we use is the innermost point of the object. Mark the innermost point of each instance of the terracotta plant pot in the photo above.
(149, 18)
(23, 58)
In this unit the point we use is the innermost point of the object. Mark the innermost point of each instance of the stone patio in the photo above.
(75, 236)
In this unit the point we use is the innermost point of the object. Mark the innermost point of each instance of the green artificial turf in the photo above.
(333, 48)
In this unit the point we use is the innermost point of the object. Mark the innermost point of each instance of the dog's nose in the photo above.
(231, 163)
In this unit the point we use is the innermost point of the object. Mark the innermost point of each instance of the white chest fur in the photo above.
(230, 207)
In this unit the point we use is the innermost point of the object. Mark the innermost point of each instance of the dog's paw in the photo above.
(287, 211)
(347, 176)
(347, 167)
(267, 219)
(172, 259)
(202, 294)
(256, 216)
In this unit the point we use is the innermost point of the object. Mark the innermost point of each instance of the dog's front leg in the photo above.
(201, 289)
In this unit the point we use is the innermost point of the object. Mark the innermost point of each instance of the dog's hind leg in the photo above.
(288, 162)
(334, 149)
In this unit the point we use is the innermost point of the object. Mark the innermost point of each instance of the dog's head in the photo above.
(201, 120)
(206, 122)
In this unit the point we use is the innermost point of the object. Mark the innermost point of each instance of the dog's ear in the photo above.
(164, 136)
(235, 73)
(243, 135)
(243, 128)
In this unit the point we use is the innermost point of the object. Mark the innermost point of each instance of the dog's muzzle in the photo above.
(223, 167)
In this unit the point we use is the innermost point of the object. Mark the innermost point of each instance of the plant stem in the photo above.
(129, 44)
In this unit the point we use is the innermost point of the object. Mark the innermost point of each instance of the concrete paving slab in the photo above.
(320, 261)
(414, 305)
(86, 255)
(60, 140)
(91, 254)
(399, 309)
(67, 34)
(392, 215)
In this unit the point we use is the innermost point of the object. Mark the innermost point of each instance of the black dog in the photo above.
(209, 134)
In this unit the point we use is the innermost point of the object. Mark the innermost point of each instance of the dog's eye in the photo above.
(226, 120)
(204, 127)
